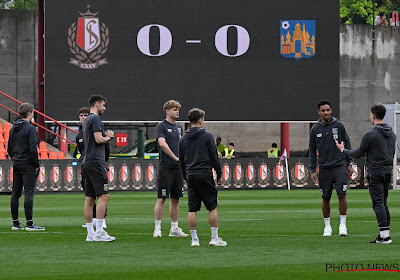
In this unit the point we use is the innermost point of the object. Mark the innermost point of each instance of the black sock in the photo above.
(16, 222)
(29, 223)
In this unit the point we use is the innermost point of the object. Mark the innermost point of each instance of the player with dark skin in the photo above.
(325, 112)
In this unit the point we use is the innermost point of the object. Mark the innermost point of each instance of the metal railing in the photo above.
(63, 129)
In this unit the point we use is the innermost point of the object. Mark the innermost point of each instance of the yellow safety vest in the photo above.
(229, 153)
(273, 153)
(78, 154)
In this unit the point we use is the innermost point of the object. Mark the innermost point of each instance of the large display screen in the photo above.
(237, 60)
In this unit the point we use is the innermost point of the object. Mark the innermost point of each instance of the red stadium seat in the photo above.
(3, 155)
(52, 155)
(44, 155)
(42, 146)
(6, 127)
(61, 155)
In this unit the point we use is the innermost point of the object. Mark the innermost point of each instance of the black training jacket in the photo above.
(322, 138)
(198, 153)
(22, 143)
(379, 145)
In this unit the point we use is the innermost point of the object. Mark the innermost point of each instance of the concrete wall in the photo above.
(368, 74)
(18, 58)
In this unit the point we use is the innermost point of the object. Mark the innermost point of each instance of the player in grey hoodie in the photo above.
(378, 144)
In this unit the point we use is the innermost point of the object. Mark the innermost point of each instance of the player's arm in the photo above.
(364, 147)
(100, 139)
(212, 151)
(182, 160)
(164, 146)
(313, 157)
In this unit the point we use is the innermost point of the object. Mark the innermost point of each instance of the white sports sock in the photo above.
(94, 221)
(157, 224)
(384, 233)
(99, 225)
(193, 233)
(90, 230)
(327, 221)
(174, 225)
(343, 219)
(214, 232)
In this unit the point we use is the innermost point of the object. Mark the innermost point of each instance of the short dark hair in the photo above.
(83, 110)
(274, 145)
(24, 109)
(381, 14)
(195, 115)
(379, 111)
(231, 144)
(219, 138)
(96, 98)
(324, 102)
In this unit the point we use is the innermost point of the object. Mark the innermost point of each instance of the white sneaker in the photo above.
(195, 243)
(342, 230)
(103, 237)
(157, 233)
(89, 238)
(328, 231)
(177, 233)
(217, 242)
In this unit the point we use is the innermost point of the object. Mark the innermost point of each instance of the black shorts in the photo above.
(202, 188)
(335, 177)
(169, 183)
(96, 180)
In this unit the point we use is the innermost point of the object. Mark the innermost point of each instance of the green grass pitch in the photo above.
(271, 234)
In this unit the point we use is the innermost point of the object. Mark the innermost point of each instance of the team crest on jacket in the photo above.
(88, 41)
(42, 179)
(69, 178)
(137, 176)
(250, 175)
(55, 178)
(111, 177)
(355, 177)
(226, 176)
(299, 175)
(124, 176)
(151, 177)
(298, 38)
(264, 175)
(335, 133)
(238, 176)
(279, 175)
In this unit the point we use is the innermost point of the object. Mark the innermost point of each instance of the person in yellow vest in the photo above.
(274, 151)
(229, 152)
(220, 147)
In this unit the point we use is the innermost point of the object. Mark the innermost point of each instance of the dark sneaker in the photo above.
(17, 227)
(380, 240)
(34, 227)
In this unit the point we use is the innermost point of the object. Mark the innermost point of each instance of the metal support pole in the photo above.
(42, 132)
(285, 138)
(373, 21)
(140, 139)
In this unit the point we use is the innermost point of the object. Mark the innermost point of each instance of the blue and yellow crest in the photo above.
(334, 131)
(297, 38)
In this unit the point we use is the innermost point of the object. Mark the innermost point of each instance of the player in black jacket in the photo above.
(379, 145)
(22, 148)
(197, 157)
(334, 167)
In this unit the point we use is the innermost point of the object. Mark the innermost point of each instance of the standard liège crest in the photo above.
(55, 178)
(69, 178)
(355, 177)
(238, 176)
(279, 175)
(111, 177)
(151, 176)
(88, 40)
(299, 175)
(42, 179)
(137, 176)
(264, 174)
(226, 176)
(250, 175)
(124, 177)
(1, 179)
